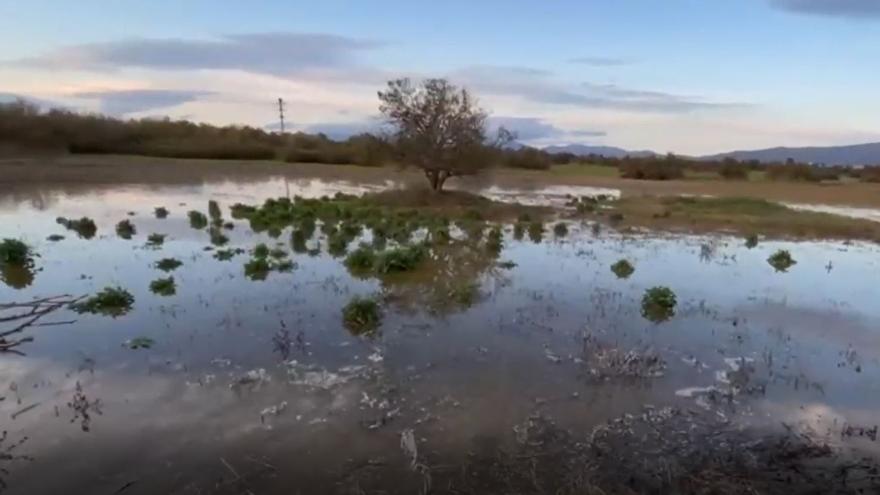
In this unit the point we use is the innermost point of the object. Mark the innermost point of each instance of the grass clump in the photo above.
(362, 259)
(168, 264)
(163, 286)
(214, 211)
(155, 240)
(139, 343)
(402, 259)
(227, 254)
(14, 252)
(261, 251)
(560, 229)
(362, 315)
(125, 229)
(257, 268)
(658, 304)
(197, 219)
(160, 212)
(623, 269)
(111, 301)
(84, 227)
(781, 260)
(218, 238)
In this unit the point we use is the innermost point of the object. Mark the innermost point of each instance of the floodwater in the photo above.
(257, 386)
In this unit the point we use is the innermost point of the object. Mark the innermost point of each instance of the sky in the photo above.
(683, 76)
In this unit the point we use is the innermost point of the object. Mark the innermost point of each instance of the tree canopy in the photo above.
(439, 128)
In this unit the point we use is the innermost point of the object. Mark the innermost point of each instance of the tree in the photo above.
(439, 128)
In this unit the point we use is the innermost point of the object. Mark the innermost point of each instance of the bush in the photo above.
(734, 170)
(528, 158)
(800, 172)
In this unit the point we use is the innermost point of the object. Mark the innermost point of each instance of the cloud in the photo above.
(121, 102)
(601, 61)
(858, 9)
(272, 53)
(534, 129)
(537, 86)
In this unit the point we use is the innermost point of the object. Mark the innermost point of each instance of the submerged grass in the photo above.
(111, 301)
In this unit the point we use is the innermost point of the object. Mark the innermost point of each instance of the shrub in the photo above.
(658, 304)
(651, 169)
(362, 315)
(111, 301)
(528, 158)
(734, 170)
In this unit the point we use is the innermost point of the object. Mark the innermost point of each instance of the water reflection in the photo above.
(471, 351)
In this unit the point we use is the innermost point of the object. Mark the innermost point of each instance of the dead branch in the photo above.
(29, 314)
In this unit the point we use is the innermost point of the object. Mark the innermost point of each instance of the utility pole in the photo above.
(281, 113)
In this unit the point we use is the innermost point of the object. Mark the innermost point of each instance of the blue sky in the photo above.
(690, 76)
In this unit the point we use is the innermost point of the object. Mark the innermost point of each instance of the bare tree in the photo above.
(439, 128)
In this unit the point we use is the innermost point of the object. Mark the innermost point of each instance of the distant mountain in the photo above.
(608, 151)
(858, 154)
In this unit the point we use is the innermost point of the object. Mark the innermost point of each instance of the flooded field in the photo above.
(511, 363)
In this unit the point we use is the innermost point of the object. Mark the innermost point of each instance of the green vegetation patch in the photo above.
(163, 286)
(227, 254)
(781, 260)
(168, 264)
(84, 227)
(14, 252)
(139, 343)
(362, 316)
(197, 219)
(623, 269)
(125, 229)
(160, 212)
(155, 240)
(111, 301)
(361, 260)
(658, 304)
(401, 259)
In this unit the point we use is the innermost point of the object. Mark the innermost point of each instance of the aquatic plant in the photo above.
(163, 286)
(155, 240)
(110, 301)
(218, 238)
(160, 212)
(560, 229)
(257, 268)
(55, 238)
(197, 219)
(261, 251)
(362, 315)
(401, 259)
(15, 252)
(623, 269)
(168, 264)
(362, 259)
(125, 229)
(84, 227)
(752, 241)
(658, 304)
(227, 254)
(337, 244)
(781, 260)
